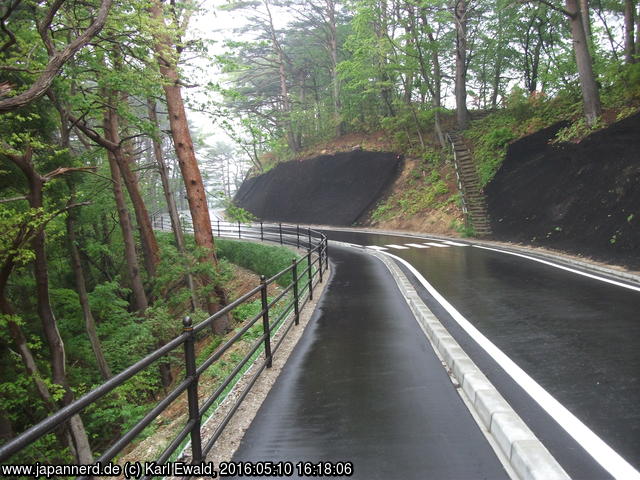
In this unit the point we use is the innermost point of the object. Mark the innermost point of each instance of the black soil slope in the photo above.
(583, 198)
(330, 189)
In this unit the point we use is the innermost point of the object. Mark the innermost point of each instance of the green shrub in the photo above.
(262, 259)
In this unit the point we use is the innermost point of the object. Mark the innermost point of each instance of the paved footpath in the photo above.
(363, 385)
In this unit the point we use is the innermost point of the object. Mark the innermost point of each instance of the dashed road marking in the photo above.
(416, 245)
(376, 247)
(455, 244)
(397, 247)
(433, 244)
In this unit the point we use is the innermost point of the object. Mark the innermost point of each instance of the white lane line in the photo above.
(397, 247)
(455, 244)
(432, 244)
(416, 245)
(594, 445)
(568, 269)
(376, 247)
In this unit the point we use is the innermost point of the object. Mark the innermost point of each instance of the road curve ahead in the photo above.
(576, 336)
(363, 385)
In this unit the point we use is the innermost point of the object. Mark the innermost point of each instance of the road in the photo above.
(577, 337)
(363, 385)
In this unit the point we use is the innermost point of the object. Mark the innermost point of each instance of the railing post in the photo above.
(298, 236)
(310, 273)
(320, 261)
(265, 320)
(219, 228)
(280, 233)
(326, 253)
(261, 232)
(192, 391)
(161, 222)
(239, 234)
(296, 305)
(309, 233)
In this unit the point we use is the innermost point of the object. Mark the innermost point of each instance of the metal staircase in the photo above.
(474, 205)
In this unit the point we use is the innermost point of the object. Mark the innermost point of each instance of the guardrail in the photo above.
(306, 273)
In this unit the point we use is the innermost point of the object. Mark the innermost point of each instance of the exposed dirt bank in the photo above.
(582, 198)
(330, 189)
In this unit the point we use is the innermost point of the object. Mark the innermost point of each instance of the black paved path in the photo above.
(363, 385)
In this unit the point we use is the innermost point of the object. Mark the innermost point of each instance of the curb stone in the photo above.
(526, 455)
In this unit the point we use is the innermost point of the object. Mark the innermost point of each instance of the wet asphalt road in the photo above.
(577, 337)
(363, 385)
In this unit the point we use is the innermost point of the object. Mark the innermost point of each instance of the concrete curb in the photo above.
(525, 453)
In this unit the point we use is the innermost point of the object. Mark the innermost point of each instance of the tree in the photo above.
(57, 57)
(36, 183)
(167, 54)
(460, 19)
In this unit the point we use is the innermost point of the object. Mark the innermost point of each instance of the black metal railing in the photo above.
(306, 273)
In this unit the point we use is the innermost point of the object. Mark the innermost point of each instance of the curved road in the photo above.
(577, 337)
(364, 385)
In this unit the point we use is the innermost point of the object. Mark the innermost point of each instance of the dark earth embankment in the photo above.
(330, 189)
(582, 198)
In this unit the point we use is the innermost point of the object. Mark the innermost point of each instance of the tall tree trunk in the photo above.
(150, 251)
(590, 94)
(284, 89)
(332, 41)
(460, 17)
(168, 195)
(140, 302)
(586, 20)
(629, 24)
(194, 186)
(89, 321)
(49, 325)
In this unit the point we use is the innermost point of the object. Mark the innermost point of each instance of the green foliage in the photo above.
(237, 214)
(577, 130)
(262, 259)
(426, 191)
(464, 229)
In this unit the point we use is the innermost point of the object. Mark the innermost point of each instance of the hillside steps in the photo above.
(474, 204)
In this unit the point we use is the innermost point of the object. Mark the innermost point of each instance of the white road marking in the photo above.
(376, 247)
(436, 244)
(594, 445)
(397, 247)
(416, 245)
(568, 269)
(455, 244)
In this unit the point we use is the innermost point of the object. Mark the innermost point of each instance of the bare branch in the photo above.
(13, 199)
(62, 170)
(553, 7)
(3, 27)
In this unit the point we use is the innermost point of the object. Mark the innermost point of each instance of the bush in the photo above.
(262, 259)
